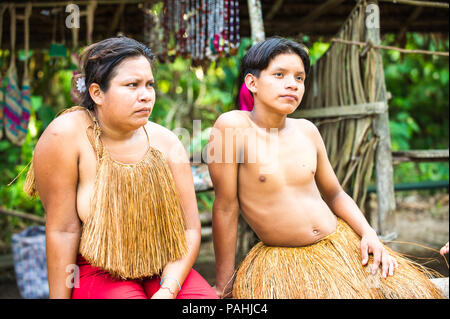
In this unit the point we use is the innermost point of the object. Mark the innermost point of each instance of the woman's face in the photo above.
(130, 98)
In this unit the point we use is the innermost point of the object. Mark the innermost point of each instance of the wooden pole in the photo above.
(23, 215)
(320, 10)
(246, 236)
(383, 154)
(256, 20)
(79, 2)
(274, 10)
(432, 4)
(388, 47)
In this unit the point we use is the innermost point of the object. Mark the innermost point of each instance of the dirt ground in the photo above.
(422, 224)
(423, 228)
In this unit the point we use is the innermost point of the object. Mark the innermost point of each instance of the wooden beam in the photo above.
(384, 171)
(256, 20)
(116, 19)
(79, 2)
(413, 17)
(365, 109)
(319, 11)
(388, 47)
(274, 10)
(22, 215)
(420, 156)
(432, 4)
(6, 261)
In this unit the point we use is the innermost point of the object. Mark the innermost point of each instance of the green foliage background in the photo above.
(418, 111)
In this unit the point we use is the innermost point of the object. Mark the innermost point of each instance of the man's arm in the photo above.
(226, 205)
(56, 172)
(345, 207)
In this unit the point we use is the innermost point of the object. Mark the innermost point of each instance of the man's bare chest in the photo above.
(287, 160)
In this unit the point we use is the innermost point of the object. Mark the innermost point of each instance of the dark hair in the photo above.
(99, 61)
(260, 54)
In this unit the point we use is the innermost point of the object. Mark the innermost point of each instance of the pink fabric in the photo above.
(245, 99)
(95, 283)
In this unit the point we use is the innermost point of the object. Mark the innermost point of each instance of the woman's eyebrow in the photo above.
(138, 79)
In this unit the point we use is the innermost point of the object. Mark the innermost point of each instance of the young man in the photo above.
(315, 242)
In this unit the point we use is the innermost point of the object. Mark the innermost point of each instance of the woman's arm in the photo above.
(56, 172)
(184, 182)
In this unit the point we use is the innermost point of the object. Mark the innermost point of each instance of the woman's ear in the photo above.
(250, 82)
(96, 94)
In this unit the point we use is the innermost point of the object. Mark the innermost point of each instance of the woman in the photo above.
(117, 189)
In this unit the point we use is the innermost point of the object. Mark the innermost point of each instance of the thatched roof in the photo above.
(281, 17)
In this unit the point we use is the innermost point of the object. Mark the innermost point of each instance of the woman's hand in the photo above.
(371, 244)
(164, 293)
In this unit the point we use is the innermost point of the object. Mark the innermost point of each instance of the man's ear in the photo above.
(96, 94)
(251, 83)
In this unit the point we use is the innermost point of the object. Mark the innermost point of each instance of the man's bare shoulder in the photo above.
(305, 126)
(233, 119)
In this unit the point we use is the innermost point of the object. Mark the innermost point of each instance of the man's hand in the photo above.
(221, 293)
(444, 249)
(371, 244)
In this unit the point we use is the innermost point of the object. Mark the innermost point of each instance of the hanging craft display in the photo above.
(58, 49)
(2, 95)
(17, 102)
(12, 107)
(90, 20)
(199, 29)
(26, 88)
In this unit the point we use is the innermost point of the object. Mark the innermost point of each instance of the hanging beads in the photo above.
(200, 29)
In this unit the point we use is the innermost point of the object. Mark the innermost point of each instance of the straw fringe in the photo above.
(330, 268)
(29, 186)
(135, 227)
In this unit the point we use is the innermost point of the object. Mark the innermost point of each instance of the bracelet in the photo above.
(170, 277)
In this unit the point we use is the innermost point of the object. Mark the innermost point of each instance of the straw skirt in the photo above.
(330, 268)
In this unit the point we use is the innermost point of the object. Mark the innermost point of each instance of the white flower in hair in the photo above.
(81, 84)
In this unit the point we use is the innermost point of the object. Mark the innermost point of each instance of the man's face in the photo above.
(282, 84)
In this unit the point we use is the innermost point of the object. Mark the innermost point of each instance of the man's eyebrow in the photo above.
(279, 68)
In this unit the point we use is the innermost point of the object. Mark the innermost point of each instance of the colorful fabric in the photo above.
(26, 105)
(2, 102)
(95, 283)
(246, 100)
(15, 115)
(30, 263)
